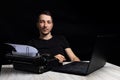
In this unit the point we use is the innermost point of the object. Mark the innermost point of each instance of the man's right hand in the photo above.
(60, 57)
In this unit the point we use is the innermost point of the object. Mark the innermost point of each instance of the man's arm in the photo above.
(71, 54)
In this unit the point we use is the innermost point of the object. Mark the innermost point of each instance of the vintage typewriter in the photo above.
(35, 64)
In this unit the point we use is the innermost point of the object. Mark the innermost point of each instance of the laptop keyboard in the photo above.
(74, 67)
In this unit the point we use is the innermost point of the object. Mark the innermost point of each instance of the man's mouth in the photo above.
(45, 29)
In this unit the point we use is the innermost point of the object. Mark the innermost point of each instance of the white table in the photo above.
(108, 72)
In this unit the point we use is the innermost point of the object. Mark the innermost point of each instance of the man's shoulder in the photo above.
(33, 40)
(59, 36)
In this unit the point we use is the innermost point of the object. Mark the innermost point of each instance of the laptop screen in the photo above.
(100, 50)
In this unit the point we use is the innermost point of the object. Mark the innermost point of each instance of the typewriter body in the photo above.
(36, 64)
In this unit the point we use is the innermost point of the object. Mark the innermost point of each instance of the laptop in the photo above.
(97, 61)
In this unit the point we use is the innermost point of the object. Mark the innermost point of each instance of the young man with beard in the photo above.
(56, 46)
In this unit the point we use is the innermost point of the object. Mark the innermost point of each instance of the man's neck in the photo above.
(45, 37)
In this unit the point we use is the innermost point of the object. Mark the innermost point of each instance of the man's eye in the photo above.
(41, 21)
(49, 22)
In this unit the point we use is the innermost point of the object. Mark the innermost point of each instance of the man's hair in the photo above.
(46, 12)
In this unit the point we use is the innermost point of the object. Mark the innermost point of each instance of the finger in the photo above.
(60, 58)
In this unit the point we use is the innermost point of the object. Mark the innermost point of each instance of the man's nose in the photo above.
(45, 24)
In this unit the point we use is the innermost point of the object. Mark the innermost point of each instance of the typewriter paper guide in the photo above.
(24, 49)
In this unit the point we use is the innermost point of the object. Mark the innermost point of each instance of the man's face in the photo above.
(45, 24)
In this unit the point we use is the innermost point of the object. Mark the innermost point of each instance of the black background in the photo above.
(77, 20)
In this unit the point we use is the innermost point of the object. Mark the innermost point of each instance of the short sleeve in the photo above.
(65, 43)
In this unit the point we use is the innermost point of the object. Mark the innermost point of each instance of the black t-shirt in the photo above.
(55, 45)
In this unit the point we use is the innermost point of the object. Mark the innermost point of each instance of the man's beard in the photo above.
(44, 34)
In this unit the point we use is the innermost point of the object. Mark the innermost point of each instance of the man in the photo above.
(52, 44)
